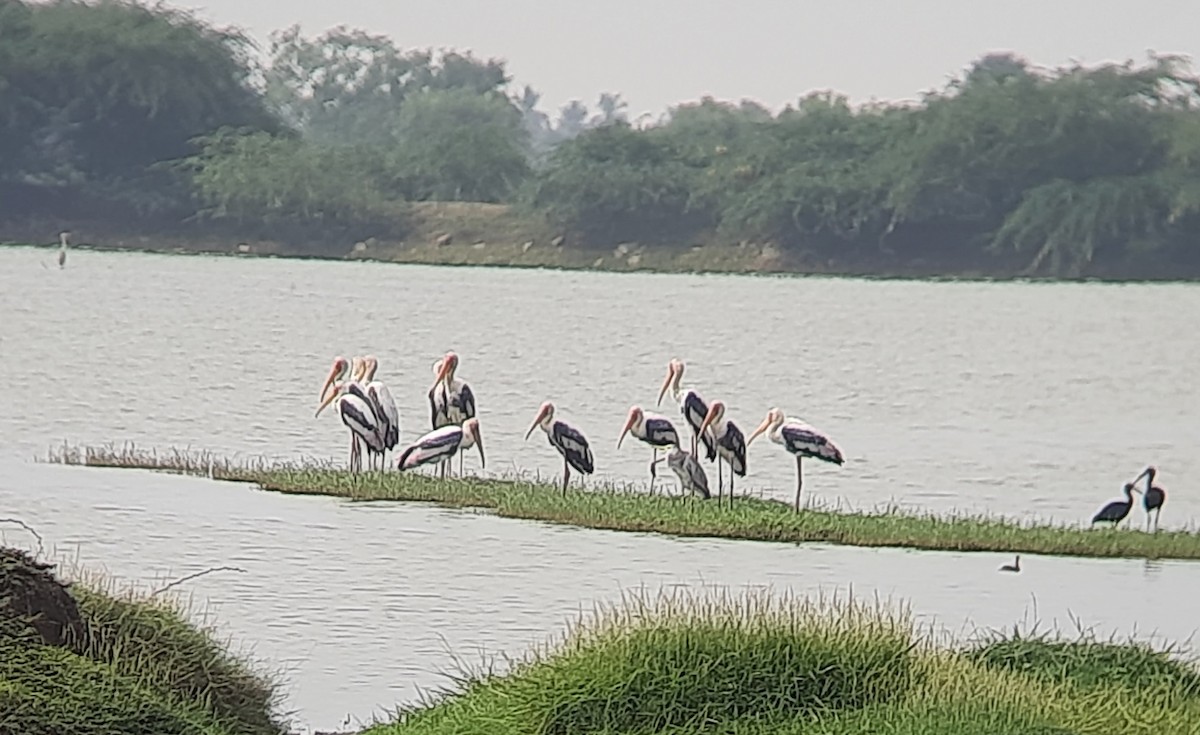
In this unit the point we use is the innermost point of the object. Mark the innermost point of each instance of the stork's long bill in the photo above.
(715, 413)
(471, 429)
(544, 415)
(336, 372)
(445, 369)
(635, 415)
(334, 390)
(673, 376)
(774, 416)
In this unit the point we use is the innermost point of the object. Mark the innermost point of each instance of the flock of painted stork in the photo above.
(367, 408)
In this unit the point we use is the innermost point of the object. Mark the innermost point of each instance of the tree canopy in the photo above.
(111, 108)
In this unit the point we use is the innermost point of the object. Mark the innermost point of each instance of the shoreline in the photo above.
(610, 508)
(446, 236)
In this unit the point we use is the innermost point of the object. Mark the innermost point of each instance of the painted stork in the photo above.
(359, 416)
(691, 405)
(1153, 497)
(569, 441)
(343, 379)
(451, 400)
(1116, 511)
(440, 445)
(385, 405)
(692, 478)
(655, 430)
(731, 445)
(800, 440)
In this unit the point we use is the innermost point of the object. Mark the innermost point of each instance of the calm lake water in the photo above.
(1025, 400)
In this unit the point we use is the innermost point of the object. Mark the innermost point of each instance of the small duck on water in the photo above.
(1014, 567)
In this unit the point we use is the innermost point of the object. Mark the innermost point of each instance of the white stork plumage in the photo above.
(358, 415)
(691, 405)
(801, 440)
(731, 445)
(451, 400)
(688, 469)
(569, 441)
(440, 445)
(385, 406)
(655, 430)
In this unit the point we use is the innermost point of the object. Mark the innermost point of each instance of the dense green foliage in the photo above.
(111, 110)
(629, 509)
(754, 665)
(138, 667)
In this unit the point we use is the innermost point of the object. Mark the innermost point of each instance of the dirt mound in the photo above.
(32, 597)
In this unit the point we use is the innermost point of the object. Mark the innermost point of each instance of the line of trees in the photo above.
(115, 110)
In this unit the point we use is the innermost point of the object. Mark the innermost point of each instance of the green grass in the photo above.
(620, 509)
(139, 667)
(758, 664)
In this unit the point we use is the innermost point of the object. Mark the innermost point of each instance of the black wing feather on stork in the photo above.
(694, 412)
(735, 441)
(573, 446)
(811, 444)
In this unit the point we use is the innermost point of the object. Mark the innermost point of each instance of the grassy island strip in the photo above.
(756, 663)
(620, 509)
(88, 658)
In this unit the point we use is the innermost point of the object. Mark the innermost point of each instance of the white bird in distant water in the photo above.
(62, 248)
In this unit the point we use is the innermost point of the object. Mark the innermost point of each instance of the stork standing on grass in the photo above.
(731, 445)
(691, 405)
(1153, 497)
(800, 440)
(451, 400)
(385, 406)
(655, 430)
(692, 478)
(440, 445)
(569, 441)
(364, 425)
(358, 415)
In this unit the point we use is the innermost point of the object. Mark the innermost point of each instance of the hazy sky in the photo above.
(660, 52)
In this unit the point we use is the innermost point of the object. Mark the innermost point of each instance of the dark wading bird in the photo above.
(1014, 567)
(799, 439)
(451, 400)
(440, 445)
(692, 478)
(1153, 497)
(1116, 511)
(731, 445)
(655, 430)
(569, 441)
(691, 405)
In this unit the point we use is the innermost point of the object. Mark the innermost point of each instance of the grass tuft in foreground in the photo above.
(620, 509)
(132, 664)
(755, 664)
